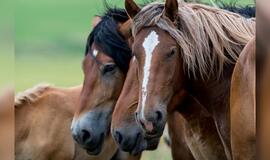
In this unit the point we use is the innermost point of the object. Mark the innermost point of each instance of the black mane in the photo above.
(247, 11)
(107, 38)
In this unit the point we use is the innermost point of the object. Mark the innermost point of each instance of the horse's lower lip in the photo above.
(137, 147)
(152, 136)
(136, 150)
(96, 151)
(152, 143)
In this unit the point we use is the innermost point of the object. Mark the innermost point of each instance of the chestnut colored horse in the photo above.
(243, 105)
(263, 78)
(105, 65)
(43, 117)
(7, 124)
(187, 48)
(193, 136)
(264, 102)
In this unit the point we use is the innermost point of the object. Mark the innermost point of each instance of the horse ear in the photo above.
(96, 21)
(131, 8)
(125, 29)
(171, 9)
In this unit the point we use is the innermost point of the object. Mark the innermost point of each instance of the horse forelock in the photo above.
(208, 37)
(108, 39)
(31, 95)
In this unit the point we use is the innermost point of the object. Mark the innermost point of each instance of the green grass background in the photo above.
(6, 44)
(50, 37)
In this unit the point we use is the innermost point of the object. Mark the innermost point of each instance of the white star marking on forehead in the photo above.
(95, 53)
(149, 44)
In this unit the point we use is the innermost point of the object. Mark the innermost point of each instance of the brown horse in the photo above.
(189, 48)
(263, 78)
(105, 65)
(43, 117)
(242, 105)
(7, 124)
(190, 137)
(264, 102)
(40, 112)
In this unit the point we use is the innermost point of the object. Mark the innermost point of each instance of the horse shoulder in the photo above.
(243, 80)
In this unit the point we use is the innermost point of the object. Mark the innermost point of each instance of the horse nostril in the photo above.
(118, 137)
(158, 116)
(85, 135)
(139, 121)
(137, 116)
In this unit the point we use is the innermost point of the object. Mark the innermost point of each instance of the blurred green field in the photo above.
(6, 45)
(50, 38)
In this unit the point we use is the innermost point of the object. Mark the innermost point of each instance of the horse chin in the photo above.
(152, 143)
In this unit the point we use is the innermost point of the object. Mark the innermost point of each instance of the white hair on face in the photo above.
(95, 53)
(149, 44)
(203, 34)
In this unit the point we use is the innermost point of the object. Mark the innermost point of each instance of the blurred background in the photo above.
(6, 80)
(50, 37)
(6, 44)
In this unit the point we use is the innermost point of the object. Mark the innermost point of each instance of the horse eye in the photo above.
(171, 53)
(108, 68)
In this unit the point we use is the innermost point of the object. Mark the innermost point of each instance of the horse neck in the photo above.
(213, 94)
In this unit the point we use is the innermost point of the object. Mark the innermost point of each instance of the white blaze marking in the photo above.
(95, 53)
(149, 44)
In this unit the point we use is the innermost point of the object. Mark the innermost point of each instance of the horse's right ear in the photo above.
(131, 8)
(96, 21)
(171, 9)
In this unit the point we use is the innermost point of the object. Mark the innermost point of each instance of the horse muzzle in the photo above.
(90, 130)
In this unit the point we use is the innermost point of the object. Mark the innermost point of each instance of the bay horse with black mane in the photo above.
(105, 64)
(186, 48)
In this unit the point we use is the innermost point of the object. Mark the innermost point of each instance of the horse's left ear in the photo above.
(125, 29)
(96, 21)
(171, 9)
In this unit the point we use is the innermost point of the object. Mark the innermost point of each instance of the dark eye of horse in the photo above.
(171, 53)
(108, 68)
